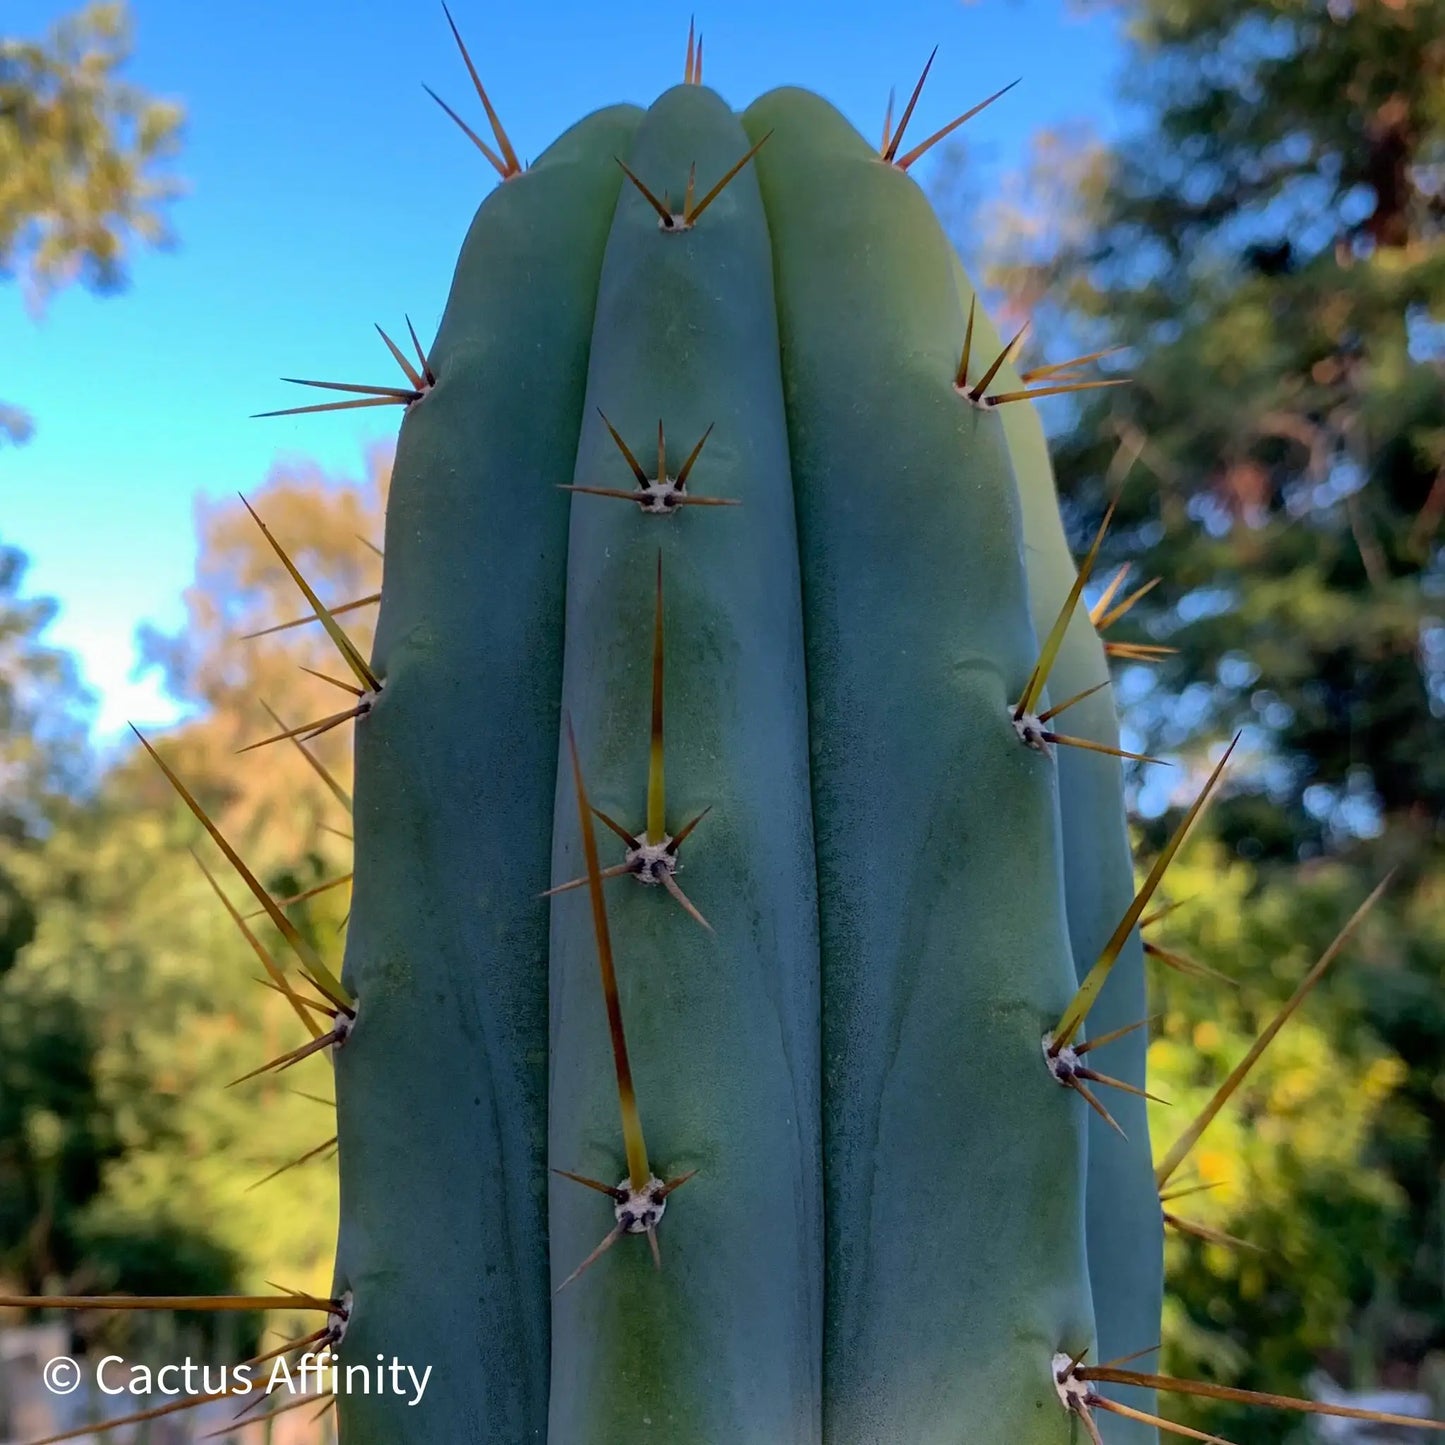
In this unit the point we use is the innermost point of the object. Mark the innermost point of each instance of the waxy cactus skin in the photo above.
(885, 1236)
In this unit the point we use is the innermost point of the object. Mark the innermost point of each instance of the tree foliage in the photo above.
(43, 719)
(82, 161)
(126, 1163)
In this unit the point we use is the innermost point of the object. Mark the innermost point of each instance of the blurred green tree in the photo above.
(125, 1161)
(43, 753)
(81, 162)
(1267, 251)
(43, 759)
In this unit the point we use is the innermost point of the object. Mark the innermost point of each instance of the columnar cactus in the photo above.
(835, 1011)
(742, 881)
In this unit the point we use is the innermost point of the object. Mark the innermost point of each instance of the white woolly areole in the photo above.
(640, 1209)
(649, 861)
(336, 1321)
(1064, 1064)
(983, 403)
(343, 1026)
(660, 498)
(1031, 732)
(1073, 1392)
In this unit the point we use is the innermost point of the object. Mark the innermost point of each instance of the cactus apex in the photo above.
(676, 222)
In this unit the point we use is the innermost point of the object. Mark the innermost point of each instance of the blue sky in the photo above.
(326, 192)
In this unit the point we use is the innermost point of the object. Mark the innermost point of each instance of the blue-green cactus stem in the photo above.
(1124, 1223)
(724, 1346)
(954, 1161)
(442, 1085)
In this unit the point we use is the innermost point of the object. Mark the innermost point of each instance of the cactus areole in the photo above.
(721, 551)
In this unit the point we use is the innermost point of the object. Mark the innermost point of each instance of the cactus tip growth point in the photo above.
(914, 892)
